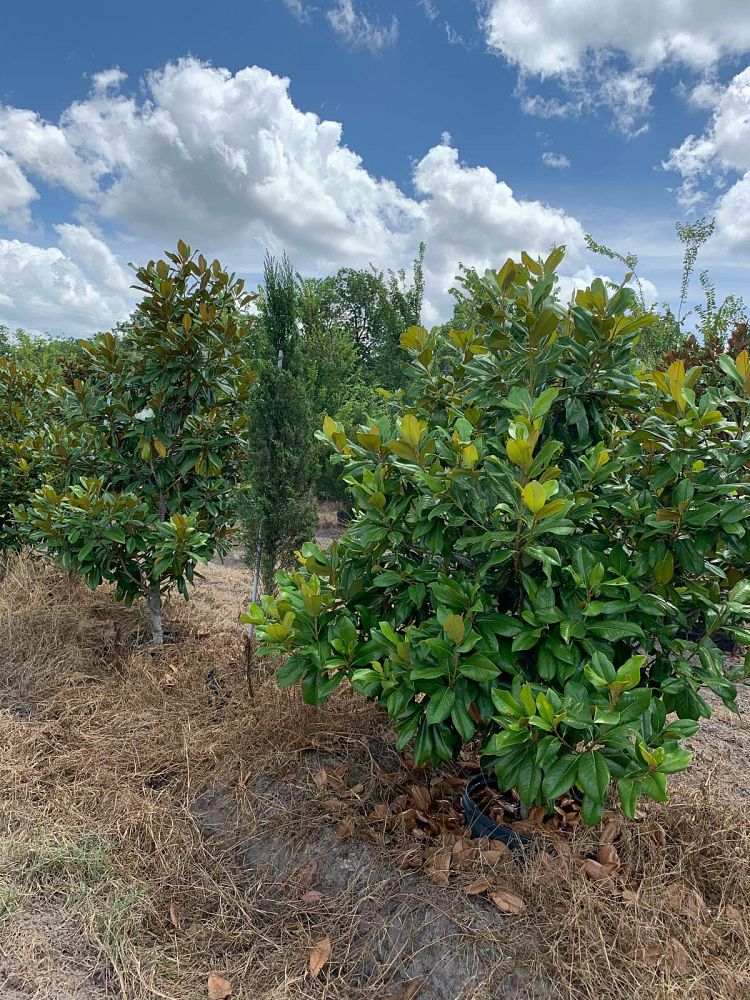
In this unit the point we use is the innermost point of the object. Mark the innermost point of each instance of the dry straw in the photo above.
(163, 835)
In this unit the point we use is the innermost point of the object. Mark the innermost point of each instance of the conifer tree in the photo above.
(278, 508)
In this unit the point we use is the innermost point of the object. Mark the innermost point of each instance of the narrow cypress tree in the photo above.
(278, 509)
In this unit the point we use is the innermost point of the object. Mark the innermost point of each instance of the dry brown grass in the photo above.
(156, 827)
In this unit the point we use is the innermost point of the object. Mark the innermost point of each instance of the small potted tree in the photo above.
(162, 405)
(537, 523)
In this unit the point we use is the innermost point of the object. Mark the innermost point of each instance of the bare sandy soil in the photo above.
(167, 832)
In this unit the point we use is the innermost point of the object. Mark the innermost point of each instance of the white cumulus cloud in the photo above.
(16, 193)
(45, 150)
(603, 51)
(228, 163)
(719, 155)
(75, 287)
(469, 215)
(550, 38)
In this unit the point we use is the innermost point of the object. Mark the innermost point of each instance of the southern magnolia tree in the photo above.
(25, 406)
(164, 403)
(545, 545)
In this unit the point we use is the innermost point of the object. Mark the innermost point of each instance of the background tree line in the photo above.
(302, 348)
(243, 382)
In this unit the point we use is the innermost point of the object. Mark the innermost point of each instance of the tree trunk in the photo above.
(153, 599)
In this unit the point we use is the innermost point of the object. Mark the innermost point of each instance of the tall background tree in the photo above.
(375, 308)
(277, 506)
(350, 359)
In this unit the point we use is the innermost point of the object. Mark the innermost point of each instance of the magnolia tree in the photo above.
(546, 544)
(24, 406)
(164, 403)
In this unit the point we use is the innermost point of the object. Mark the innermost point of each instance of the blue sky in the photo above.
(481, 128)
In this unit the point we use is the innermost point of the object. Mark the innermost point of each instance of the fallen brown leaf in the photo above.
(311, 896)
(651, 955)
(352, 792)
(420, 796)
(411, 859)
(507, 901)
(219, 988)
(525, 826)
(428, 821)
(408, 817)
(607, 855)
(610, 832)
(687, 902)
(596, 870)
(321, 779)
(555, 864)
(477, 888)
(408, 992)
(319, 955)
(734, 918)
(174, 914)
(658, 834)
(345, 830)
(562, 847)
(440, 866)
(491, 855)
(306, 874)
(337, 775)
(677, 957)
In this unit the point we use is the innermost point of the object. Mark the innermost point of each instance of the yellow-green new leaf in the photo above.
(329, 427)
(664, 570)
(519, 452)
(403, 450)
(553, 507)
(470, 456)
(411, 430)
(413, 339)
(676, 375)
(534, 496)
(453, 626)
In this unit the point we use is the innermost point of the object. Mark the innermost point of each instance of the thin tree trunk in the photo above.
(153, 599)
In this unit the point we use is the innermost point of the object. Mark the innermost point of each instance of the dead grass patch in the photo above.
(157, 824)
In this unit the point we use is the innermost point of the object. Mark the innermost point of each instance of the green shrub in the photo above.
(25, 405)
(160, 412)
(530, 550)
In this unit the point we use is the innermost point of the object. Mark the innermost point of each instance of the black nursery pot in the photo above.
(724, 642)
(479, 823)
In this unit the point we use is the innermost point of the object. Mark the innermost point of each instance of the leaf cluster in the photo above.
(546, 543)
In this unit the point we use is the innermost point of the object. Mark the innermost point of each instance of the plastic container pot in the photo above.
(479, 823)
